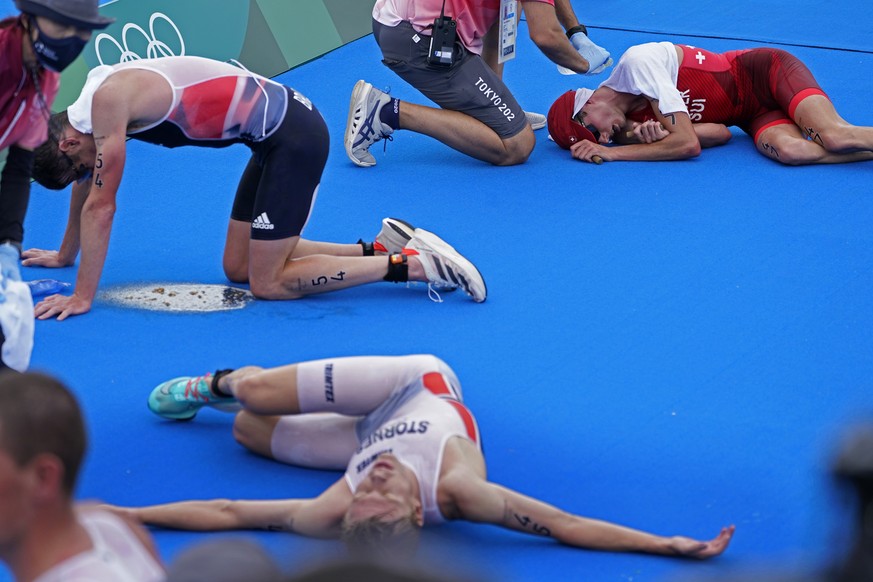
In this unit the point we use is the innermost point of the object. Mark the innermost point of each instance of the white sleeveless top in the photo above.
(117, 555)
(413, 425)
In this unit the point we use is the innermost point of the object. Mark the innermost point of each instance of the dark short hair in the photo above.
(52, 168)
(375, 538)
(39, 415)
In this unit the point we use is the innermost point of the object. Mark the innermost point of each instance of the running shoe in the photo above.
(363, 127)
(444, 266)
(393, 237)
(182, 398)
(536, 120)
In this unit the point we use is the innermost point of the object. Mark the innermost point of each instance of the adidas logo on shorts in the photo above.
(263, 222)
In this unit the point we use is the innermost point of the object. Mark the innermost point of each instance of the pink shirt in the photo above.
(23, 120)
(474, 17)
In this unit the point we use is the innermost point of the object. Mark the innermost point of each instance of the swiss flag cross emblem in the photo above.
(700, 59)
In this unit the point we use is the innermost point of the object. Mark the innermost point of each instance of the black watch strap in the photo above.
(578, 28)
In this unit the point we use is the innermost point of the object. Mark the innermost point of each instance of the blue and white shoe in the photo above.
(363, 127)
(182, 398)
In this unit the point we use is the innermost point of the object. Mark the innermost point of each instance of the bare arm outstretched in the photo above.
(319, 517)
(481, 501)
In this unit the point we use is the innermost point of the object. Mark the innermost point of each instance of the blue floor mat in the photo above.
(672, 346)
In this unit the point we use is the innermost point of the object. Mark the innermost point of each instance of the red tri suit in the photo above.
(752, 89)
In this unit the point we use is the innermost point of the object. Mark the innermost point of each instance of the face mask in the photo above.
(56, 54)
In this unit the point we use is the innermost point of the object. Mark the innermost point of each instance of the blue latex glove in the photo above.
(598, 58)
(8, 266)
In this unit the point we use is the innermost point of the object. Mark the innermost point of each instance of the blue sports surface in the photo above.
(674, 346)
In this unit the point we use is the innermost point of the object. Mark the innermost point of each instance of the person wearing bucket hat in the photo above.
(81, 14)
(666, 101)
(36, 45)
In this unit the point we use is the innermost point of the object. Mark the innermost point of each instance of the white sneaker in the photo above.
(536, 120)
(363, 127)
(393, 237)
(444, 266)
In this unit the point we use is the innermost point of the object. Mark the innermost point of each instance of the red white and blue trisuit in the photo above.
(217, 104)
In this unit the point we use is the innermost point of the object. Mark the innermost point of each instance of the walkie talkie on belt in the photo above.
(442, 41)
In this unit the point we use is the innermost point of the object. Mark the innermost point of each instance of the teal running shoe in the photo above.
(182, 398)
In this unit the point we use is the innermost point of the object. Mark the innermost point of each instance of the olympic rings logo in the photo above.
(154, 49)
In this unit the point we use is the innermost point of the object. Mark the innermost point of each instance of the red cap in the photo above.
(562, 127)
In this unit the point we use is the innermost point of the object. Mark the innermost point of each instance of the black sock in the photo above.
(219, 374)
(390, 113)
(398, 269)
(368, 248)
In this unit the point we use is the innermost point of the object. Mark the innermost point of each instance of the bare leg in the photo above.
(305, 248)
(788, 145)
(263, 391)
(255, 432)
(236, 250)
(820, 136)
(274, 272)
(273, 276)
(467, 135)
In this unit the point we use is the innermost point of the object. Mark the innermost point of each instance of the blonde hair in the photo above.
(375, 537)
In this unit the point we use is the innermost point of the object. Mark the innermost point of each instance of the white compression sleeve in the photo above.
(358, 385)
(317, 441)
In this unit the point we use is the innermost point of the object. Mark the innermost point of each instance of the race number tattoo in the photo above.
(323, 280)
(672, 117)
(98, 163)
(528, 524)
(770, 150)
(812, 135)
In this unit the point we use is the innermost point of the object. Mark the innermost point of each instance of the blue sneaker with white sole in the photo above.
(182, 398)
